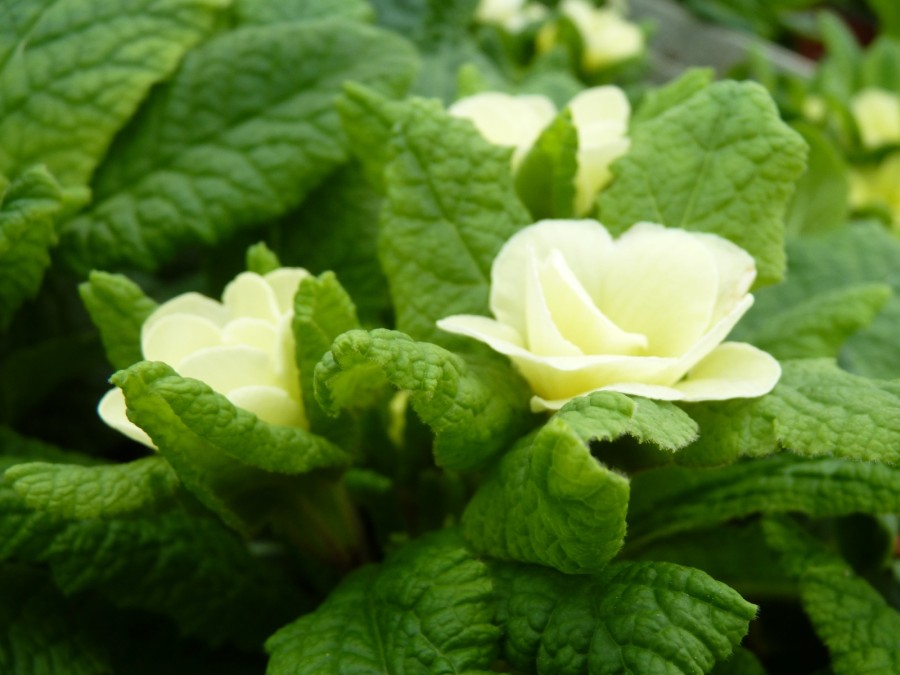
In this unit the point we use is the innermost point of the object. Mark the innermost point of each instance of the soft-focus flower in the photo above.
(877, 115)
(242, 347)
(513, 15)
(644, 314)
(878, 187)
(607, 37)
(600, 116)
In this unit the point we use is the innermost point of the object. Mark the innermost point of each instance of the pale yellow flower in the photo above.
(878, 186)
(242, 347)
(513, 15)
(645, 314)
(877, 115)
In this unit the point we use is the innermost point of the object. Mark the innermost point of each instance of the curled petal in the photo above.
(228, 368)
(731, 370)
(112, 411)
(270, 404)
(250, 296)
(284, 282)
(188, 303)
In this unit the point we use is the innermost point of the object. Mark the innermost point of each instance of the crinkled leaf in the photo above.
(721, 161)
(673, 499)
(632, 617)
(475, 406)
(545, 181)
(29, 207)
(816, 409)
(118, 307)
(137, 488)
(60, 101)
(855, 622)
(450, 207)
(427, 608)
(40, 632)
(257, 12)
(818, 327)
(246, 128)
(658, 101)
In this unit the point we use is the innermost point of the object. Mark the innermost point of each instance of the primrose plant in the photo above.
(513, 390)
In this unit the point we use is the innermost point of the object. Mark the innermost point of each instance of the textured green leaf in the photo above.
(816, 409)
(278, 11)
(428, 608)
(741, 662)
(109, 491)
(475, 406)
(118, 307)
(722, 161)
(658, 101)
(15, 448)
(72, 72)
(29, 207)
(545, 181)
(261, 259)
(450, 207)
(648, 617)
(40, 632)
(858, 626)
(246, 128)
(818, 327)
(670, 500)
(322, 311)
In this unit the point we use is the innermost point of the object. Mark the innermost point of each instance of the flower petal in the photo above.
(188, 303)
(228, 368)
(600, 104)
(661, 282)
(731, 370)
(112, 411)
(174, 336)
(541, 333)
(270, 404)
(503, 119)
(284, 282)
(706, 344)
(250, 296)
(737, 272)
(251, 333)
(497, 336)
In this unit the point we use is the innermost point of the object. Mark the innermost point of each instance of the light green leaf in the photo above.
(260, 12)
(427, 608)
(659, 101)
(322, 311)
(670, 500)
(40, 632)
(857, 625)
(29, 207)
(118, 307)
(647, 617)
(138, 488)
(879, 64)
(722, 162)
(246, 129)
(815, 410)
(61, 102)
(450, 207)
(475, 406)
(545, 181)
(817, 327)
(261, 259)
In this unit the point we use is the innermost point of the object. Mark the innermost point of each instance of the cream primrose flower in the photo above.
(607, 36)
(242, 347)
(877, 115)
(513, 15)
(600, 116)
(644, 314)
(878, 187)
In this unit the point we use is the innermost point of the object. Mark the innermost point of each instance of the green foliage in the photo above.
(245, 129)
(271, 12)
(721, 161)
(475, 406)
(427, 608)
(658, 101)
(545, 182)
(261, 259)
(649, 617)
(118, 307)
(29, 207)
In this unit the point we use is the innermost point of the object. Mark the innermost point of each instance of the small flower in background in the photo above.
(242, 347)
(512, 15)
(607, 37)
(600, 116)
(877, 115)
(876, 188)
(645, 314)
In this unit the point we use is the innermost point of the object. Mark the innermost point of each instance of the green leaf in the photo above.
(475, 406)
(545, 182)
(40, 632)
(838, 76)
(658, 101)
(888, 14)
(857, 625)
(670, 500)
(722, 162)
(29, 207)
(450, 207)
(60, 102)
(427, 608)
(815, 410)
(137, 488)
(261, 12)
(647, 617)
(322, 311)
(15, 448)
(741, 662)
(819, 326)
(244, 131)
(261, 259)
(118, 307)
